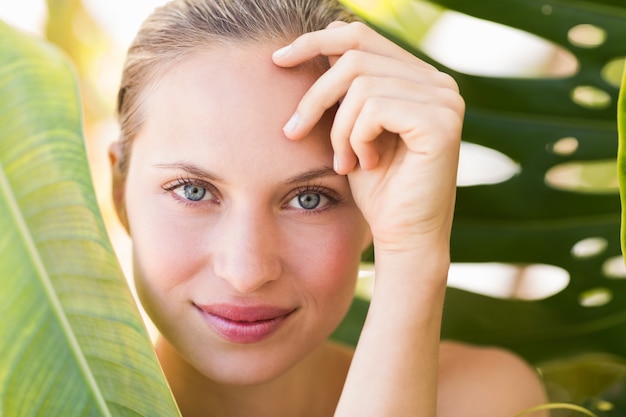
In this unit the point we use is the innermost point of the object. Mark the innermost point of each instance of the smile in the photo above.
(244, 324)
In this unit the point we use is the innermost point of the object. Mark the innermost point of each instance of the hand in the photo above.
(396, 133)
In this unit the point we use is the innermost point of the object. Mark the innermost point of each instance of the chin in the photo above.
(249, 372)
(255, 365)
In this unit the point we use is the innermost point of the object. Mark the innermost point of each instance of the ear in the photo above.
(118, 186)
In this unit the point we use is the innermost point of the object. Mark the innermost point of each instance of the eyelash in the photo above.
(183, 181)
(333, 197)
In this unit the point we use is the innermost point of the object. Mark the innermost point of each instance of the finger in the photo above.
(331, 87)
(336, 24)
(345, 160)
(337, 40)
(425, 128)
(367, 86)
(361, 90)
(333, 25)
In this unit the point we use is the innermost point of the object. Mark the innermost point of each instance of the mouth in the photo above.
(244, 324)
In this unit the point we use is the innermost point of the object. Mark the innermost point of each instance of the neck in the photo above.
(311, 388)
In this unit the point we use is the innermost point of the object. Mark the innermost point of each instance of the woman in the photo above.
(264, 145)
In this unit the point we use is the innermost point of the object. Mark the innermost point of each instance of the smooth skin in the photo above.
(246, 128)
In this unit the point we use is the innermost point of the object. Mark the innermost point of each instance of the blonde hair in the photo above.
(182, 27)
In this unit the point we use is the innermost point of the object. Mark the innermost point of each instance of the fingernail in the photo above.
(282, 51)
(290, 126)
(335, 163)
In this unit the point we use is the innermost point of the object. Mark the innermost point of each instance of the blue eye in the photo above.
(309, 201)
(191, 192)
(194, 193)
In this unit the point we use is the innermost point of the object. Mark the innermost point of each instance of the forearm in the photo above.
(395, 366)
(396, 136)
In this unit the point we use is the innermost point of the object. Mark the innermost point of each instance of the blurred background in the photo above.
(95, 34)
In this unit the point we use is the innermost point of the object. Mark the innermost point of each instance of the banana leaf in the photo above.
(72, 340)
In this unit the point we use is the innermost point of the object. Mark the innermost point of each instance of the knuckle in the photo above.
(352, 59)
(361, 87)
(336, 24)
(451, 99)
(358, 28)
(358, 32)
(446, 80)
(457, 103)
(351, 63)
(452, 125)
(373, 105)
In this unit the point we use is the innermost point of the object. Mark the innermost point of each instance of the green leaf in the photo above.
(73, 343)
(527, 221)
(621, 157)
(524, 220)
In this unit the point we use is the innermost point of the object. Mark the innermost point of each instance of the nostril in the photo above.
(247, 273)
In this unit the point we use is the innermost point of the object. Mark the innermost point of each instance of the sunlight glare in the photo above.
(28, 15)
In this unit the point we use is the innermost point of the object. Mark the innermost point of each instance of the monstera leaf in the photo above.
(72, 341)
(525, 221)
(541, 124)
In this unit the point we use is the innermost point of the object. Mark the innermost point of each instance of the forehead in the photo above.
(229, 100)
(232, 77)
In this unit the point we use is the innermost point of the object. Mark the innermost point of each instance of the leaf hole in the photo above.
(528, 282)
(596, 297)
(480, 47)
(614, 268)
(588, 177)
(591, 97)
(564, 146)
(479, 165)
(589, 247)
(586, 36)
(612, 72)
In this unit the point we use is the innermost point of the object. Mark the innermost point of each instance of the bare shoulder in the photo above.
(485, 381)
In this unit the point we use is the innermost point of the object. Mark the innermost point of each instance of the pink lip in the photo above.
(244, 324)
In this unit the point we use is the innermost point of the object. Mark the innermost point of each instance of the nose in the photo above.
(246, 251)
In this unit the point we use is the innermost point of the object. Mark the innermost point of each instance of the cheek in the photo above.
(163, 251)
(333, 264)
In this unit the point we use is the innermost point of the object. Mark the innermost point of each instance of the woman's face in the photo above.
(246, 244)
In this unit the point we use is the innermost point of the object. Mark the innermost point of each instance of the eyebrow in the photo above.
(311, 175)
(201, 173)
(191, 169)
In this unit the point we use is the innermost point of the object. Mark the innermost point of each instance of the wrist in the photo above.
(428, 256)
(420, 273)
